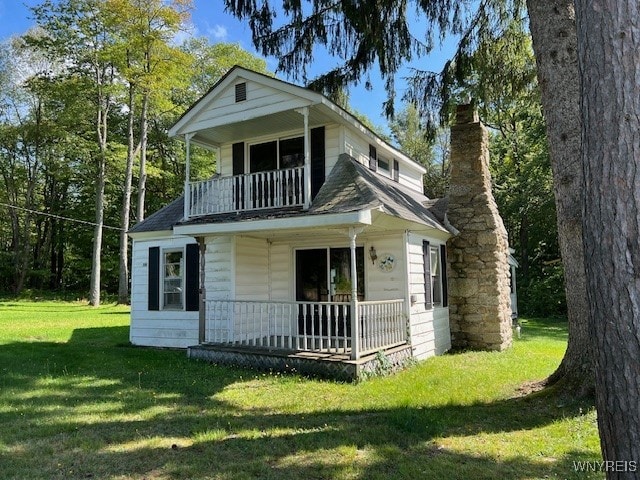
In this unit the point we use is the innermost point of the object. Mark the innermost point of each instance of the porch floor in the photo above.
(315, 363)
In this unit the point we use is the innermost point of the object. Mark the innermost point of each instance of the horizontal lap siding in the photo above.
(332, 147)
(258, 96)
(385, 285)
(218, 264)
(252, 269)
(164, 328)
(281, 272)
(430, 333)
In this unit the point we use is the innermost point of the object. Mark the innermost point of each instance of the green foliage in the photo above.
(54, 82)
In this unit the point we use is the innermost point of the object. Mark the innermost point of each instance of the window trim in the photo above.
(163, 278)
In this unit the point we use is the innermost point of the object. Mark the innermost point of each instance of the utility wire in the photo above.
(60, 217)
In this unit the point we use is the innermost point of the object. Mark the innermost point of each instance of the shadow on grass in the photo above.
(95, 408)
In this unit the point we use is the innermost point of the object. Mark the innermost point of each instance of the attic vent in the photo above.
(241, 92)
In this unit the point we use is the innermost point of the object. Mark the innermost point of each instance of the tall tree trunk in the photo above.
(608, 45)
(94, 288)
(123, 280)
(553, 32)
(101, 130)
(144, 129)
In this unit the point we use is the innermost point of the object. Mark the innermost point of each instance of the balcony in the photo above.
(247, 192)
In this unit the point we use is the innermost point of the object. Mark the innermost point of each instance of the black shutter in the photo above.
(443, 265)
(154, 278)
(373, 158)
(426, 256)
(396, 171)
(238, 158)
(192, 278)
(317, 160)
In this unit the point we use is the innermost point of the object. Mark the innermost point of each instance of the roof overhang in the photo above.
(280, 225)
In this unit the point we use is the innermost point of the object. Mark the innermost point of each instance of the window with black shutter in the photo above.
(443, 261)
(396, 171)
(154, 279)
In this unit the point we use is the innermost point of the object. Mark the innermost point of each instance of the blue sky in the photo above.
(214, 23)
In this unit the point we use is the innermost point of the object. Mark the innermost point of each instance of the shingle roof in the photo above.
(350, 187)
(163, 219)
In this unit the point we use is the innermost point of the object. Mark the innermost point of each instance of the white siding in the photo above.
(332, 147)
(281, 280)
(252, 269)
(385, 285)
(259, 97)
(163, 328)
(357, 146)
(430, 333)
(219, 268)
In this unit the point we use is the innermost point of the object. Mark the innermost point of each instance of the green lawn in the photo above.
(77, 401)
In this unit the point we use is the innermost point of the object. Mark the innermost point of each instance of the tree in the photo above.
(608, 41)
(149, 65)
(370, 33)
(77, 32)
(554, 43)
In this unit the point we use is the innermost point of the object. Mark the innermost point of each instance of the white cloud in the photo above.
(219, 32)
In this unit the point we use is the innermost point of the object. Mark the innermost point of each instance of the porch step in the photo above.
(318, 364)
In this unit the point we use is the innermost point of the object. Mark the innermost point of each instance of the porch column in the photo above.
(202, 294)
(307, 157)
(355, 317)
(187, 175)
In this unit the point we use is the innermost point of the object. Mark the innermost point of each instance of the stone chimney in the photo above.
(479, 295)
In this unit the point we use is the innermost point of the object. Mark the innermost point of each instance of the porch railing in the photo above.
(251, 191)
(305, 326)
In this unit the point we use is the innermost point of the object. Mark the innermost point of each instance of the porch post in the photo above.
(307, 157)
(202, 294)
(187, 175)
(355, 316)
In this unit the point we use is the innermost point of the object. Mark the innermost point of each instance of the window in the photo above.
(172, 284)
(283, 153)
(241, 92)
(383, 164)
(436, 277)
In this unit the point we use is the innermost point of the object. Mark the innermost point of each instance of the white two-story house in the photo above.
(313, 238)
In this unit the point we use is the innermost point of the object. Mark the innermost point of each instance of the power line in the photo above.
(60, 217)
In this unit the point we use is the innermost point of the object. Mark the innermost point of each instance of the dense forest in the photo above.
(87, 96)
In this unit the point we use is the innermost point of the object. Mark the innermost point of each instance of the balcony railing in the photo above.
(251, 191)
(305, 326)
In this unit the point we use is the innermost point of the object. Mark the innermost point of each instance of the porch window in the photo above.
(172, 291)
(276, 154)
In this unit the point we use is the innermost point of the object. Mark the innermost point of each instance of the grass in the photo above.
(77, 401)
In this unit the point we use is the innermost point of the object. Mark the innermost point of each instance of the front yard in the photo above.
(77, 401)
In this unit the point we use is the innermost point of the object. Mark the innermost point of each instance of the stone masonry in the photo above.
(479, 300)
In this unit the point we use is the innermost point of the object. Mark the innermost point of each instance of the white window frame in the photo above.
(385, 171)
(436, 275)
(164, 277)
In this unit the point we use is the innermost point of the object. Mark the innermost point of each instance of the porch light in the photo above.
(373, 254)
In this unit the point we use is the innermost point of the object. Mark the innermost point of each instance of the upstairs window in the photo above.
(241, 92)
(383, 164)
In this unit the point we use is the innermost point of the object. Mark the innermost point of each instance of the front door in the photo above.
(324, 275)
